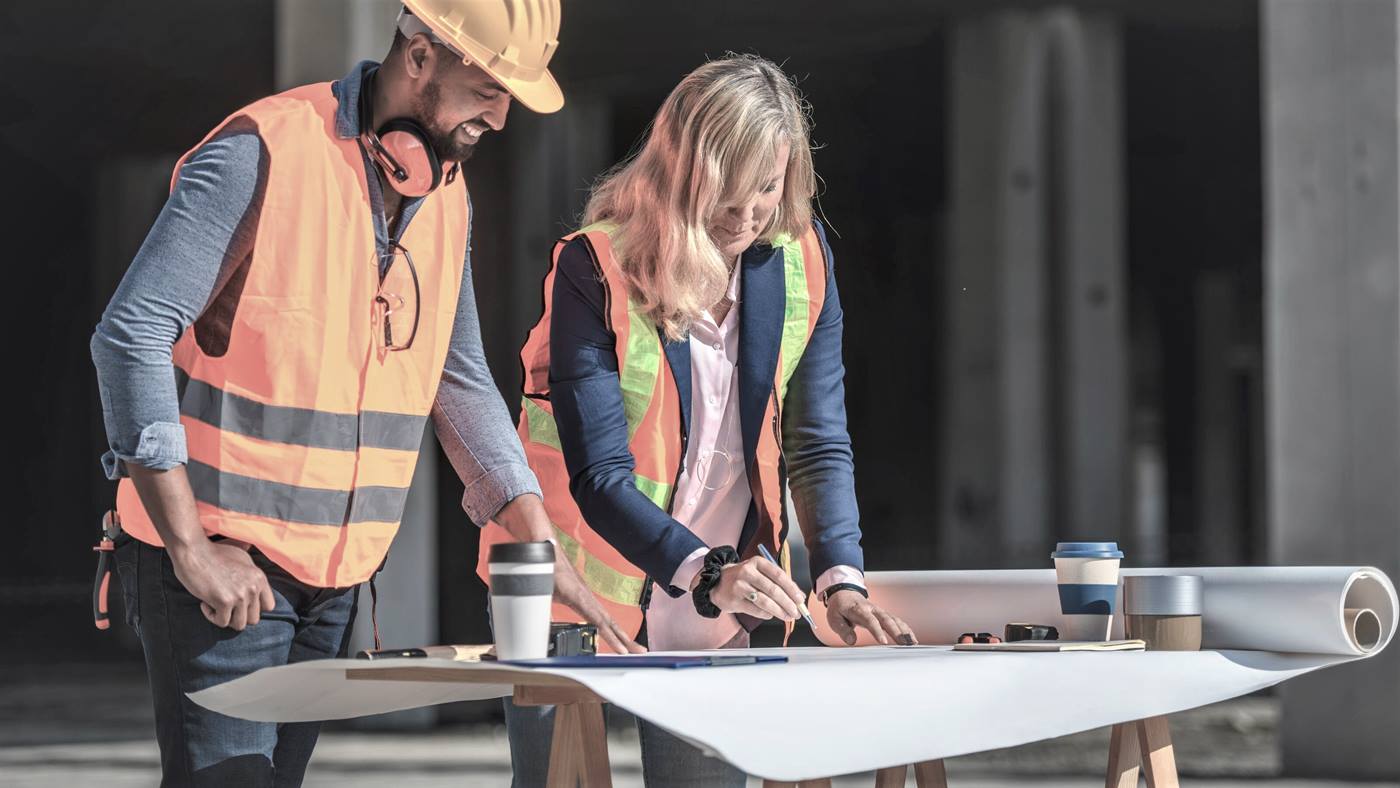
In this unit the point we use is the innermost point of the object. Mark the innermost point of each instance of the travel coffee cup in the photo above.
(522, 591)
(1087, 576)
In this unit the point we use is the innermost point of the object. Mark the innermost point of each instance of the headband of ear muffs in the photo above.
(400, 148)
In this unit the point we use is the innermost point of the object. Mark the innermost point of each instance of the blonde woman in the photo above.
(686, 371)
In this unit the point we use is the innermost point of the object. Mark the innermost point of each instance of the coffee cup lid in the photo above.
(1087, 550)
(1163, 595)
(521, 553)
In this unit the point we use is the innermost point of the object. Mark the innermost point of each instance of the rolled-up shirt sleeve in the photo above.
(472, 422)
(204, 230)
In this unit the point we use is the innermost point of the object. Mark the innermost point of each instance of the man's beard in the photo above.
(444, 145)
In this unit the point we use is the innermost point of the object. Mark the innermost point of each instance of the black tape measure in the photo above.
(1015, 632)
(572, 640)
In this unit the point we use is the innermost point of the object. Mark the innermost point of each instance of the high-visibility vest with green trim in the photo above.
(653, 410)
(304, 431)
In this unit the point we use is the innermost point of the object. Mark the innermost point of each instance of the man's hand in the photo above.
(569, 589)
(233, 592)
(526, 520)
(757, 587)
(846, 610)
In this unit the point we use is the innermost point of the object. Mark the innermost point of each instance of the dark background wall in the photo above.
(88, 88)
(96, 92)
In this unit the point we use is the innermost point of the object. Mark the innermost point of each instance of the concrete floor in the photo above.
(78, 725)
(462, 757)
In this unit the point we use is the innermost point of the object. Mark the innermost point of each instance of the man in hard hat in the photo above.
(300, 309)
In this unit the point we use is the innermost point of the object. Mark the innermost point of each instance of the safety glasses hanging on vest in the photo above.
(401, 148)
(394, 309)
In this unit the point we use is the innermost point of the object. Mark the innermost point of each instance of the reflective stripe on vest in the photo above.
(638, 375)
(542, 430)
(304, 434)
(300, 426)
(602, 579)
(294, 504)
(651, 407)
(795, 311)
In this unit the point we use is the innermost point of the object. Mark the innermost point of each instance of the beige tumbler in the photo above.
(1164, 611)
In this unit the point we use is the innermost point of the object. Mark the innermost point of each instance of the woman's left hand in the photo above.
(846, 610)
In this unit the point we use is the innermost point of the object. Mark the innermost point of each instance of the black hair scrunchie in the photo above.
(715, 561)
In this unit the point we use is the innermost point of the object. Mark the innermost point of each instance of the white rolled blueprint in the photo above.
(1290, 609)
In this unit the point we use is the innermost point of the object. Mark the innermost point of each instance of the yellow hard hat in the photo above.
(512, 40)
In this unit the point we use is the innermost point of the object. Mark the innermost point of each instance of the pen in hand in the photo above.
(801, 606)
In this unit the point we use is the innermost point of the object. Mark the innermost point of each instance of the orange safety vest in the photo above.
(653, 410)
(304, 434)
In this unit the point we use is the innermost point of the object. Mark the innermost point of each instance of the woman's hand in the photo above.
(759, 588)
(846, 610)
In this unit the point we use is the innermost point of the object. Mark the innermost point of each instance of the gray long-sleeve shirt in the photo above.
(202, 235)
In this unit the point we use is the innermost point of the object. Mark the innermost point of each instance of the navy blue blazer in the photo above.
(587, 400)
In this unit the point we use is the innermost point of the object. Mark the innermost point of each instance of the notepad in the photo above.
(1055, 645)
(620, 662)
(454, 653)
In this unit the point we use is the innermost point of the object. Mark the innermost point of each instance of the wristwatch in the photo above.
(834, 587)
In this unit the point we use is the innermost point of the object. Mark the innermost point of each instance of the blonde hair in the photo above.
(711, 143)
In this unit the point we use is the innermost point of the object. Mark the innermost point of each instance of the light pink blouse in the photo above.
(712, 495)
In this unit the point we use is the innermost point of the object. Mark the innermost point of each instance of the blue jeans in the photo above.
(186, 653)
(667, 761)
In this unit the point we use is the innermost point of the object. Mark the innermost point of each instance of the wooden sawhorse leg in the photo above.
(578, 754)
(1146, 744)
(928, 774)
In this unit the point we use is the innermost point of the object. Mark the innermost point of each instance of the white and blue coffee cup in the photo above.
(1087, 576)
(522, 593)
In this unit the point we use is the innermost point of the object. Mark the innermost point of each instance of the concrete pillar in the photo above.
(995, 419)
(1332, 132)
(528, 189)
(320, 40)
(1035, 417)
(1219, 528)
(1088, 275)
(553, 161)
(408, 588)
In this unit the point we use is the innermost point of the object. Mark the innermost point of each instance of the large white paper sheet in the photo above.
(318, 690)
(914, 704)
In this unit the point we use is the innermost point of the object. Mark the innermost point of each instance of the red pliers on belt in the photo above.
(111, 527)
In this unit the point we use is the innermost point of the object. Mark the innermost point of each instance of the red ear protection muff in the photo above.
(401, 149)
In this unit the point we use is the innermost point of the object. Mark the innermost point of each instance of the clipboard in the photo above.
(620, 662)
